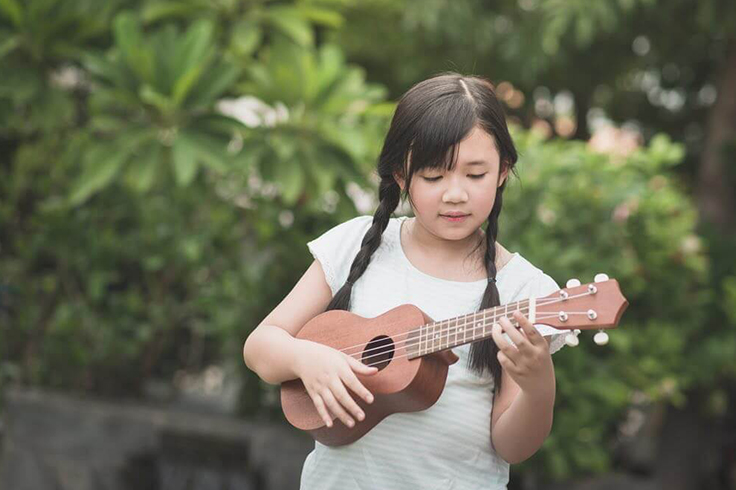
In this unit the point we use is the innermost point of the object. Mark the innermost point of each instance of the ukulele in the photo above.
(413, 353)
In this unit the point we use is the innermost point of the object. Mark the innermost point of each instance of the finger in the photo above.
(503, 345)
(347, 400)
(336, 408)
(360, 367)
(510, 329)
(506, 363)
(532, 334)
(354, 383)
(319, 404)
(518, 338)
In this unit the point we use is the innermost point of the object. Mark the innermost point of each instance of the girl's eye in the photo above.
(472, 176)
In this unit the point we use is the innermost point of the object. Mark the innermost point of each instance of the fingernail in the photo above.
(370, 398)
(361, 416)
(350, 423)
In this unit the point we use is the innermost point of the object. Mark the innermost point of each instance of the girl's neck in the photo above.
(453, 252)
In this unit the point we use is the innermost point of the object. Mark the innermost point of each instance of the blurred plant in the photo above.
(246, 24)
(329, 134)
(179, 209)
(39, 43)
(578, 212)
(153, 102)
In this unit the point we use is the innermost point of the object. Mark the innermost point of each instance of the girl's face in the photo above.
(470, 188)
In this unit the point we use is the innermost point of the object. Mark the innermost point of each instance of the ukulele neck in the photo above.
(446, 334)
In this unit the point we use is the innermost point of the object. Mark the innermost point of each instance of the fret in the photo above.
(428, 339)
(422, 339)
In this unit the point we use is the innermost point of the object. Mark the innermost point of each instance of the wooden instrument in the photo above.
(412, 352)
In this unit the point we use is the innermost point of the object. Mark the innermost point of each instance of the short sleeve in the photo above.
(542, 286)
(336, 249)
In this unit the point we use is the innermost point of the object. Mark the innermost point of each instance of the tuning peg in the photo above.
(600, 277)
(571, 340)
(572, 283)
(601, 338)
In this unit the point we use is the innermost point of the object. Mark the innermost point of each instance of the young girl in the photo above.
(449, 152)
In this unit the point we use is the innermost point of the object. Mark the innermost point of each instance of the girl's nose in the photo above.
(454, 193)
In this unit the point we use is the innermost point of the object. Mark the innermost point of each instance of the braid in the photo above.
(389, 194)
(486, 350)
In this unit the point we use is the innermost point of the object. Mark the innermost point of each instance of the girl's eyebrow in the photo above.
(476, 162)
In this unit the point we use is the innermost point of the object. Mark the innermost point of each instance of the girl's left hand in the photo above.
(529, 363)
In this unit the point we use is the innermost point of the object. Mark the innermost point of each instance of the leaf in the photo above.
(290, 178)
(214, 83)
(142, 170)
(12, 11)
(194, 47)
(103, 164)
(211, 151)
(154, 12)
(184, 156)
(322, 16)
(149, 95)
(114, 73)
(129, 39)
(289, 23)
(8, 45)
(246, 37)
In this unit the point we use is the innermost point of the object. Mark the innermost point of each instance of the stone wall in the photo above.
(58, 442)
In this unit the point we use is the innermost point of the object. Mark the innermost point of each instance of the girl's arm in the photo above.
(271, 350)
(522, 415)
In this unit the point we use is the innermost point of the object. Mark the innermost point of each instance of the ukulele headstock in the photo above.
(594, 306)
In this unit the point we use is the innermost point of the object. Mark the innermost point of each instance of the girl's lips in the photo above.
(455, 218)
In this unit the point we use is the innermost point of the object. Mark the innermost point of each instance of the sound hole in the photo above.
(378, 352)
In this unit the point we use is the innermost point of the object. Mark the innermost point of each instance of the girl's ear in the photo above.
(399, 180)
(502, 177)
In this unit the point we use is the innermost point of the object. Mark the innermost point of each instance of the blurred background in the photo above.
(164, 162)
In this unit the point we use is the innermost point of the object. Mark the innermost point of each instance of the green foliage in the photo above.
(154, 105)
(333, 126)
(576, 213)
(39, 42)
(178, 211)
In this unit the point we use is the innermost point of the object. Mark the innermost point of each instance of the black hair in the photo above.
(430, 121)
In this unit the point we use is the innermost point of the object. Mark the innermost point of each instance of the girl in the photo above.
(449, 152)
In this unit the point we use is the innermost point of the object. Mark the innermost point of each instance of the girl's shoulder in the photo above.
(344, 235)
(529, 280)
(337, 247)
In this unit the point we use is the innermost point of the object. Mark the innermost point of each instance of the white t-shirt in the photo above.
(447, 446)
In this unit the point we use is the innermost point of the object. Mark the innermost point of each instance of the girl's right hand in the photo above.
(325, 372)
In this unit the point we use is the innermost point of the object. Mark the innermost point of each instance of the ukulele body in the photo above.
(401, 384)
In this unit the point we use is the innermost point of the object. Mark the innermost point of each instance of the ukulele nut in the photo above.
(563, 316)
(592, 314)
(592, 289)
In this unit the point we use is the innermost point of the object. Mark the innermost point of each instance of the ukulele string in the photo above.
(513, 322)
(456, 326)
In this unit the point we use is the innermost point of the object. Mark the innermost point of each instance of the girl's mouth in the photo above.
(455, 219)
